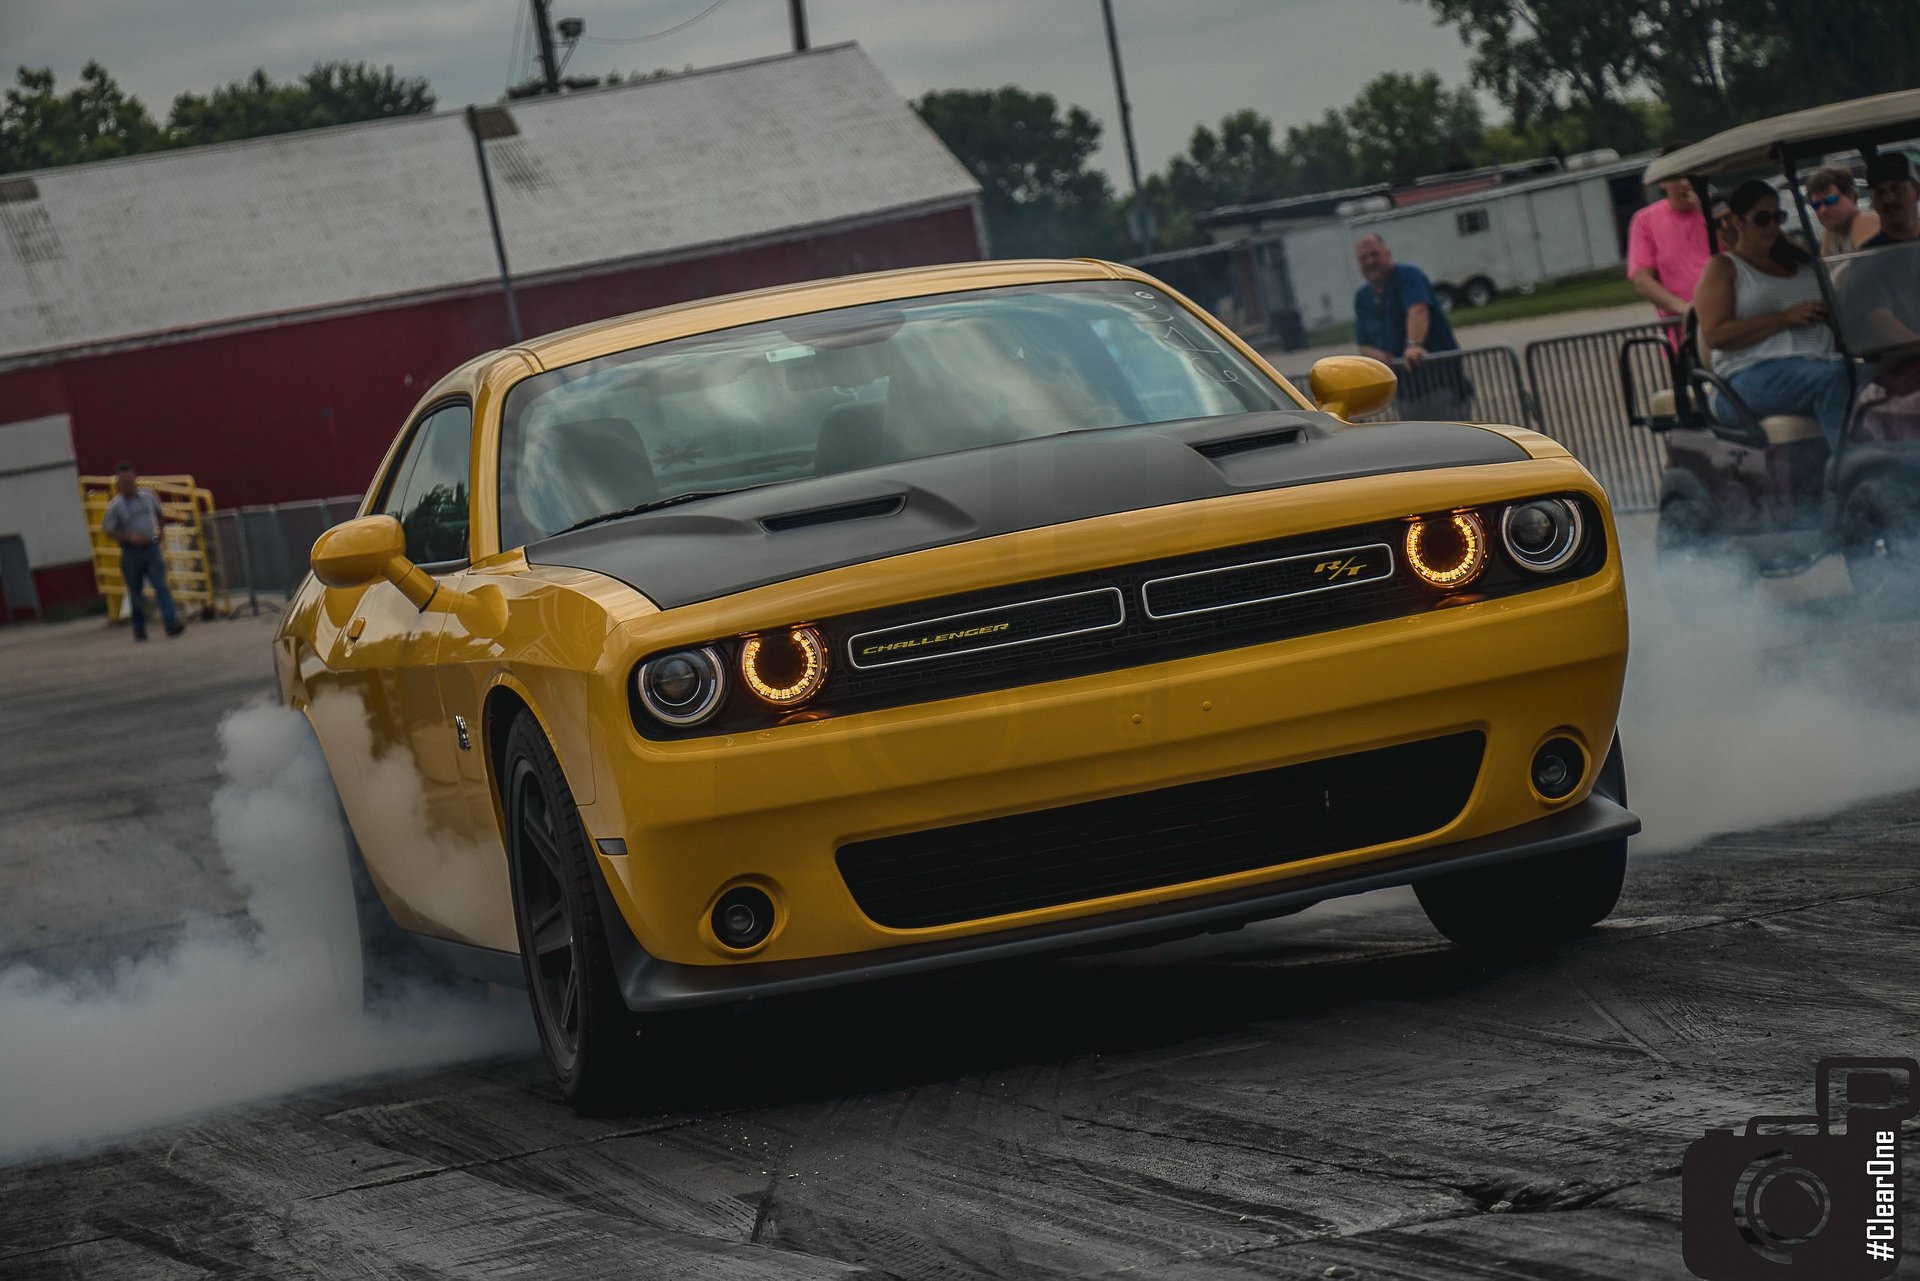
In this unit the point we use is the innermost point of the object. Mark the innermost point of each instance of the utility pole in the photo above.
(543, 29)
(482, 122)
(798, 10)
(1142, 221)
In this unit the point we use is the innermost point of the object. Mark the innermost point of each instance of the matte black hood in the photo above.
(715, 547)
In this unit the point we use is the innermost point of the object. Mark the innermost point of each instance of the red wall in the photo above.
(306, 409)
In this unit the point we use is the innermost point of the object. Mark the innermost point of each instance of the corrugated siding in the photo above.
(212, 235)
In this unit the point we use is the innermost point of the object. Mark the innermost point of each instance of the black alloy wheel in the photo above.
(586, 1032)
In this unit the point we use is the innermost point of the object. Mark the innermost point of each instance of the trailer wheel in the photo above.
(1449, 299)
(1480, 292)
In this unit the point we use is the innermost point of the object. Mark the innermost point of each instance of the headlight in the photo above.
(682, 688)
(1542, 535)
(784, 669)
(1448, 551)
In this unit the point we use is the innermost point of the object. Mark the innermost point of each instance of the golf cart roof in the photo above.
(1854, 123)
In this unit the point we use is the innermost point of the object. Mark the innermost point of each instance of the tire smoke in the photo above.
(233, 1011)
(1748, 704)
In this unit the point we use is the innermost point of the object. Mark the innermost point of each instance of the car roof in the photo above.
(623, 333)
(1881, 118)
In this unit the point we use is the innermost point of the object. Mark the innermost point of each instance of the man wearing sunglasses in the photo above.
(1846, 226)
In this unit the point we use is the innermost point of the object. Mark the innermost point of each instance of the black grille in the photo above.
(965, 666)
(1238, 586)
(1001, 627)
(1164, 837)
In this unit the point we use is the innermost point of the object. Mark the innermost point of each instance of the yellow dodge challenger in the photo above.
(871, 626)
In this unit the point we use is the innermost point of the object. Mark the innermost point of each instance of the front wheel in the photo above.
(589, 1037)
(1448, 298)
(1880, 533)
(1480, 292)
(1536, 901)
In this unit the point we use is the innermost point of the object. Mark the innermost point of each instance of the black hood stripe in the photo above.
(717, 547)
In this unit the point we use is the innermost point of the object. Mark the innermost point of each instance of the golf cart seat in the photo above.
(1690, 399)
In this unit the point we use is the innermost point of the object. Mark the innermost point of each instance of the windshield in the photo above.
(840, 390)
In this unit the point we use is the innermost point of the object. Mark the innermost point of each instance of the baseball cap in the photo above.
(1889, 167)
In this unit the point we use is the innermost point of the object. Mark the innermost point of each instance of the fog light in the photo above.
(1557, 768)
(742, 917)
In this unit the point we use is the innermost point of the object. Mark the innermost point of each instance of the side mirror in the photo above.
(375, 547)
(358, 552)
(1351, 386)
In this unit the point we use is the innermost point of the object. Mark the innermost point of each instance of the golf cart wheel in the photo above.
(1536, 901)
(589, 1037)
(1880, 533)
(1479, 292)
(1449, 297)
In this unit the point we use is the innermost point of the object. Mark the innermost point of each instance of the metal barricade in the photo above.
(264, 549)
(192, 556)
(1476, 384)
(1576, 382)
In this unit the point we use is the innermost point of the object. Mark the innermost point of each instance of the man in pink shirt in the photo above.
(1667, 248)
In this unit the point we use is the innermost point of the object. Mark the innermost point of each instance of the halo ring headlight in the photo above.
(1447, 551)
(784, 669)
(1544, 534)
(684, 687)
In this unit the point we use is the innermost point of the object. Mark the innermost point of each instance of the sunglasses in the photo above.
(1827, 201)
(1763, 217)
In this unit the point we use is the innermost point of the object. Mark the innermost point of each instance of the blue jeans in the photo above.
(1796, 385)
(149, 563)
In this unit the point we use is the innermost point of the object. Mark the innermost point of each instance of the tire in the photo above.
(587, 1034)
(1448, 296)
(1688, 530)
(1479, 292)
(1538, 901)
(1880, 534)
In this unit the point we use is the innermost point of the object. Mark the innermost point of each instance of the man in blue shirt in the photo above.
(1397, 318)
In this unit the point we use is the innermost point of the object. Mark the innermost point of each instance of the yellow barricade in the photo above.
(193, 566)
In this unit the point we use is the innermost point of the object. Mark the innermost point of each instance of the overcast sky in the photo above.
(1187, 61)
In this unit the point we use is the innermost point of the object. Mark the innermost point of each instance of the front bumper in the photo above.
(680, 822)
(650, 984)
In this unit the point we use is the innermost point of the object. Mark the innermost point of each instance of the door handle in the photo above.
(354, 629)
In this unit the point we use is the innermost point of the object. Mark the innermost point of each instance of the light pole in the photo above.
(1142, 220)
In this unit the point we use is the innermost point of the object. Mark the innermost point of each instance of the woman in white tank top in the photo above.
(1762, 315)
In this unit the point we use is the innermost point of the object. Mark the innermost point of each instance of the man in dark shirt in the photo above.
(1880, 294)
(1397, 318)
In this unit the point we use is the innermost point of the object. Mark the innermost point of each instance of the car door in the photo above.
(378, 705)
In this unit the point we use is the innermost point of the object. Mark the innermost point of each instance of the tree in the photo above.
(1539, 57)
(1031, 162)
(41, 127)
(332, 93)
(1404, 126)
(1320, 155)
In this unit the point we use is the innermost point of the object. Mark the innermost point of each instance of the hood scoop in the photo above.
(859, 509)
(1230, 445)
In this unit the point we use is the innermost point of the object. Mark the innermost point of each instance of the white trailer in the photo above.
(1514, 236)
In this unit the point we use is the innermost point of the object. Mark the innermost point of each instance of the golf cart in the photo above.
(1767, 490)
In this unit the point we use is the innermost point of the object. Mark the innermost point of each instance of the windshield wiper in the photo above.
(657, 503)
